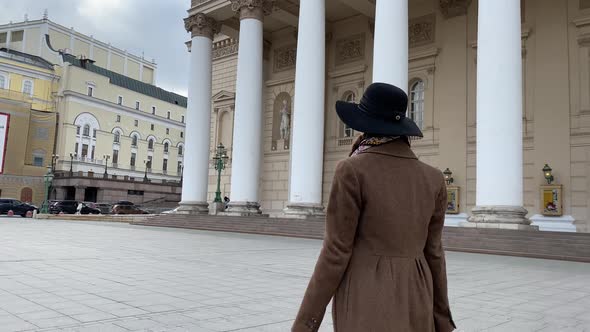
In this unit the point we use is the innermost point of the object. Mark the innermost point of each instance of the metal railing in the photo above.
(100, 175)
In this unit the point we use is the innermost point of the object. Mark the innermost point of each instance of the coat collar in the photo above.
(396, 148)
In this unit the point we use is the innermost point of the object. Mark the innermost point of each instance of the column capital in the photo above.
(452, 8)
(255, 9)
(201, 25)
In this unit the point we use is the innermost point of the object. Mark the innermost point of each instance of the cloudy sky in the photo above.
(154, 27)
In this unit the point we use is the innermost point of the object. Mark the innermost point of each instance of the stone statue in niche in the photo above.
(282, 116)
(285, 121)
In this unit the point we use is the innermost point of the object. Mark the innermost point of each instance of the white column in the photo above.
(247, 144)
(390, 57)
(307, 147)
(499, 196)
(198, 115)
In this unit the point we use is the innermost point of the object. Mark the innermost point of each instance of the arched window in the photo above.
(166, 145)
(180, 150)
(151, 144)
(117, 138)
(86, 131)
(28, 87)
(345, 130)
(416, 111)
(134, 140)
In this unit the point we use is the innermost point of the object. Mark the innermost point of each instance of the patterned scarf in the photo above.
(365, 142)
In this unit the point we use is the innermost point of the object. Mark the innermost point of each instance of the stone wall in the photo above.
(556, 103)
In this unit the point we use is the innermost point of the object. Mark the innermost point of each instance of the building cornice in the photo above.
(581, 21)
(10, 68)
(348, 71)
(423, 54)
(119, 109)
(281, 81)
(81, 36)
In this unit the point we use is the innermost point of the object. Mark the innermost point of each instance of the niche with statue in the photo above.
(282, 122)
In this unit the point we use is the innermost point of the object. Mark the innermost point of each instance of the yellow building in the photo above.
(119, 136)
(27, 124)
(43, 37)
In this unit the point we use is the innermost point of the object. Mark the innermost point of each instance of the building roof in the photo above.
(127, 82)
(26, 58)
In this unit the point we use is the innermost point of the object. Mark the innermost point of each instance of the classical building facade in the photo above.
(28, 120)
(113, 124)
(499, 88)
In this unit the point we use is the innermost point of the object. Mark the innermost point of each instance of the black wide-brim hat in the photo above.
(382, 111)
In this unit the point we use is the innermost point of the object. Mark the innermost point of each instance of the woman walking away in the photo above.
(382, 260)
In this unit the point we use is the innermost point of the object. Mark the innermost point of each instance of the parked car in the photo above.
(124, 203)
(105, 208)
(127, 209)
(18, 207)
(71, 207)
(90, 204)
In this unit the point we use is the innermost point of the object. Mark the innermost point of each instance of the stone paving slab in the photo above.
(96, 276)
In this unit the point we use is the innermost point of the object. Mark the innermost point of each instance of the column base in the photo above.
(304, 211)
(192, 208)
(243, 209)
(454, 220)
(500, 217)
(216, 208)
(554, 224)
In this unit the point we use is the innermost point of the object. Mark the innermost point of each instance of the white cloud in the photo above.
(154, 27)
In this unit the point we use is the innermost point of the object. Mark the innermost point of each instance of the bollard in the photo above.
(10, 213)
(35, 214)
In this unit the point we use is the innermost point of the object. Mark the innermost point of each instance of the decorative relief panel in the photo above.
(452, 8)
(225, 48)
(350, 49)
(284, 58)
(422, 30)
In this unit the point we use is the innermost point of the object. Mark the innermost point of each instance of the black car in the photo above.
(105, 208)
(18, 207)
(71, 207)
(124, 203)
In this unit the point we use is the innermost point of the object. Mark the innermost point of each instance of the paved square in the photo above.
(86, 276)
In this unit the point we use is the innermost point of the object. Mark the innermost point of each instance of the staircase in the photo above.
(547, 245)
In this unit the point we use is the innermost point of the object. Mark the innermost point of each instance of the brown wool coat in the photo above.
(382, 260)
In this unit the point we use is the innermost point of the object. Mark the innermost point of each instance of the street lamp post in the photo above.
(106, 158)
(48, 178)
(72, 155)
(147, 164)
(219, 160)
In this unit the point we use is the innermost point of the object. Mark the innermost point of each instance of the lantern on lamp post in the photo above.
(547, 173)
(219, 160)
(448, 176)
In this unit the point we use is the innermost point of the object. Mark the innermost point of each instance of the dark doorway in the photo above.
(26, 195)
(90, 194)
(70, 193)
